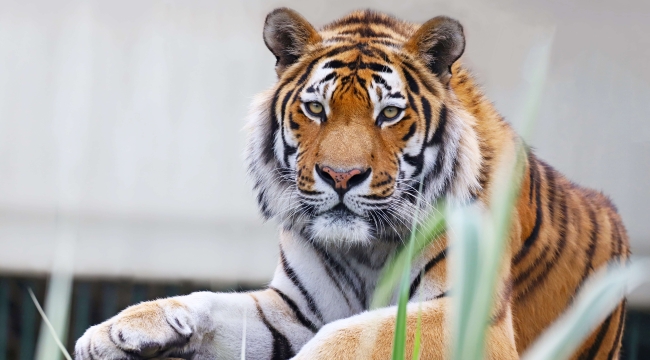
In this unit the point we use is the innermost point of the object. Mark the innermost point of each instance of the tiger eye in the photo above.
(390, 112)
(315, 108)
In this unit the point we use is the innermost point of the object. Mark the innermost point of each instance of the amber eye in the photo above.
(315, 108)
(390, 112)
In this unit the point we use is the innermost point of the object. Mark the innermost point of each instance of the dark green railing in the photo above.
(93, 301)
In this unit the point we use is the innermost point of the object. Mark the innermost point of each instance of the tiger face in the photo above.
(362, 131)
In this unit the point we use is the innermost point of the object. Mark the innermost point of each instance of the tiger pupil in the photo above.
(315, 107)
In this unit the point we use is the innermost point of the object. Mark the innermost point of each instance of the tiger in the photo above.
(372, 121)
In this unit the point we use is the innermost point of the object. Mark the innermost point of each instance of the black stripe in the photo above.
(288, 149)
(361, 284)
(438, 165)
(426, 111)
(334, 64)
(307, 71)
(533, 176)
(550, 185)
(292, 124)
(436, 139)
(418, 160)
(264, 206)
(433, 262)
(375, 67)
(523, 275)
(291, 274)
(296, 311)
(269, 141)
(334, 280)
(396, 95)
(412, 103)
(595, 347)
(534, 234)
(550, 264)
(281, 346)
(412, 84)
(591, 250)
(380, 80)
(375, 52)
(313, 62)
(327, 78)
(615, 238)
(357, 65)
(619, 332)
(410, 133)
(541, 258)
(422, 78)
(367, 261)
(414, 161)
(364, 31)
(618, 238)
(330, 261)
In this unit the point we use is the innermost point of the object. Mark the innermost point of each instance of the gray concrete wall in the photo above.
(124, 118)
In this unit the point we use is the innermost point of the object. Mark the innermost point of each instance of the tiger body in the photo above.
(363, 111)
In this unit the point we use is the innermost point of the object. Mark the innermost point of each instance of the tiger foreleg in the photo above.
(370, 335)
(201, 325)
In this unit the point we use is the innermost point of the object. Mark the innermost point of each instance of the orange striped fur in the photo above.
(366, 112)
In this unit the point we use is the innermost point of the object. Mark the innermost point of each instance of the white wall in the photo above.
(124, 119)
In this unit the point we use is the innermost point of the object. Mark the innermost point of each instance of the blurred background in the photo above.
(121, 138)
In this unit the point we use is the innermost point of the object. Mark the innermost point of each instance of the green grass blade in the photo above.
(470, 289)
(392, 273)
(601, 294)
(417, 351)
(49, 325)
(399, 341)
(59, 294)
(479, 237)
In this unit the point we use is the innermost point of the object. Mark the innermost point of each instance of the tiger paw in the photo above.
(156, 329)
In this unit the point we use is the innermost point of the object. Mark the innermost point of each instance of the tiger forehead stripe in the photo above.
(357, 65)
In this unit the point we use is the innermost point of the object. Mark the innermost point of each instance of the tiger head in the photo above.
(362, 130)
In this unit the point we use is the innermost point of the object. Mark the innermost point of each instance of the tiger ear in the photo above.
(287, 34)
(439, 42)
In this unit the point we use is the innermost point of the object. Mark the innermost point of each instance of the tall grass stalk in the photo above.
(399, 341)
(424, 235)
(58, 296)
(477, 247)
(480, 237)
(51, 329)
(417, 342)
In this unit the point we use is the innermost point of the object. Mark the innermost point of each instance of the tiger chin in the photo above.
(373, 120)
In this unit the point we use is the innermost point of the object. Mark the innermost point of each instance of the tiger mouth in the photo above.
(341, 211)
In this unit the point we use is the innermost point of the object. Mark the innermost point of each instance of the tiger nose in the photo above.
(342, 181)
